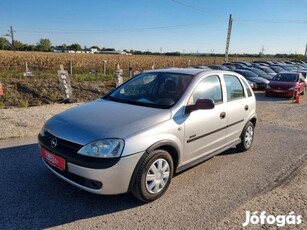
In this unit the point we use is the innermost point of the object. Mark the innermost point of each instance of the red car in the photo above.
(286, 84)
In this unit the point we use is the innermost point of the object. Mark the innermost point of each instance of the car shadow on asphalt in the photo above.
(260, 96)
(230, 151)
(33, 198)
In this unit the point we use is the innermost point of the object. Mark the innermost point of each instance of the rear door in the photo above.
(240, 103)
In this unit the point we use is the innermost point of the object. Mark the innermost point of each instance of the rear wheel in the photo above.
(153, 176)
(247, 137)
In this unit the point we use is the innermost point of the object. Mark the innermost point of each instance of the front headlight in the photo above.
(267, 86)
(292, 88)
(108, 148)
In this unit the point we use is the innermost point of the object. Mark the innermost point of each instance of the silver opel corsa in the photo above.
(155, 125)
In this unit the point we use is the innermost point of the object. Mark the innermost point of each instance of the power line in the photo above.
(131, 30)
(274, 21)
(194, 8)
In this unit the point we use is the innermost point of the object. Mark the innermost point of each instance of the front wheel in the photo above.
(247, 137)
(153, 176)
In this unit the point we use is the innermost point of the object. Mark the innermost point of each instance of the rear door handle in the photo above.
(222, 115)
(246, 107)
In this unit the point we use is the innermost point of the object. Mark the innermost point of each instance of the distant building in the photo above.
(114, 52)
(88, 51)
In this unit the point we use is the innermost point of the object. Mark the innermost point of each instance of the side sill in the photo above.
(206, 157)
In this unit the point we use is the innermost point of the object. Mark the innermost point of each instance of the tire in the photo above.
(153, 176)
(247, 137)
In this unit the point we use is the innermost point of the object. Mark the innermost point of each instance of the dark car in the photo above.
(287, 84)
(259, 82)
(265, 63)
(218, 67)
(277, 68)
(268, 70)
(245, 63)
(259, 72)
(234, 65)
(285, 67)
(200, 67)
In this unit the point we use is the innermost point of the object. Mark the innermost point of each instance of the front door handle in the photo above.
(246, 107)
(222, 115)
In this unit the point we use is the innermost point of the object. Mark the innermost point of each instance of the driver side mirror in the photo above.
(200, 104)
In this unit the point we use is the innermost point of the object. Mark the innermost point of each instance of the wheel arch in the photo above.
(166, 145)
(253, 120)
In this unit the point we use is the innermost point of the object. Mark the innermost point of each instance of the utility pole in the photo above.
(228, 38)
(262, 51)
(305, 53)
(11, 34)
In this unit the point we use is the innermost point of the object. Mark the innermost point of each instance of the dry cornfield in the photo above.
(84, 62)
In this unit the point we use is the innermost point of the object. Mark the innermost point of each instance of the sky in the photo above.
(271, 26)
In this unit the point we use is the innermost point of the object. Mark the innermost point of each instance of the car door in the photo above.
(238, 106)
(205, 129)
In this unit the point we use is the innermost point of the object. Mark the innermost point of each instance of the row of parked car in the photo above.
(277, 78)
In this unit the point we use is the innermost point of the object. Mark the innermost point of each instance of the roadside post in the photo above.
(28, 73)
(65, 85)
(118, 76)
(130, 70)
(104, 67)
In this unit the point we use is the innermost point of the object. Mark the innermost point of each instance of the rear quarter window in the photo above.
(248, 90)
(234, 88)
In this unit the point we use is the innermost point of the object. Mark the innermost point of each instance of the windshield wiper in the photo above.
(113, 98)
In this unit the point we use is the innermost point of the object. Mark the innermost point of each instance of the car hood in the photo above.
(258, 80)
(281, 85)
(104, 119)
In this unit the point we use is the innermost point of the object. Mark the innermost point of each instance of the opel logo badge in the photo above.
(54, 143)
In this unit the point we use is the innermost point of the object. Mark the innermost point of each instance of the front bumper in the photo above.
(279, 93)
(113, 180)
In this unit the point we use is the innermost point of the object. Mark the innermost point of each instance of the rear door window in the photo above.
(234, 88)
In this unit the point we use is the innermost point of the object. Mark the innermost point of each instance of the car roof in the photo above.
(288, 73)
(190, 71)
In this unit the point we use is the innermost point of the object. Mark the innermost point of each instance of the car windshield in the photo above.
(288, 67)
(248, 74)
(258, 71)
(267, 70)
(278, 69)
(285, 77)
(152, 89)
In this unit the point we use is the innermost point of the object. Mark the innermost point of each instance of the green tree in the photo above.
(44, 44)
(75, 47)
(19, 45)
(4, 44)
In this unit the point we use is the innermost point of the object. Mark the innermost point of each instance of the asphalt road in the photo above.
(33, 198)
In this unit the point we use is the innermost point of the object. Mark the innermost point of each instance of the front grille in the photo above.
(261, 85)
(63, 144)
(92, 184)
